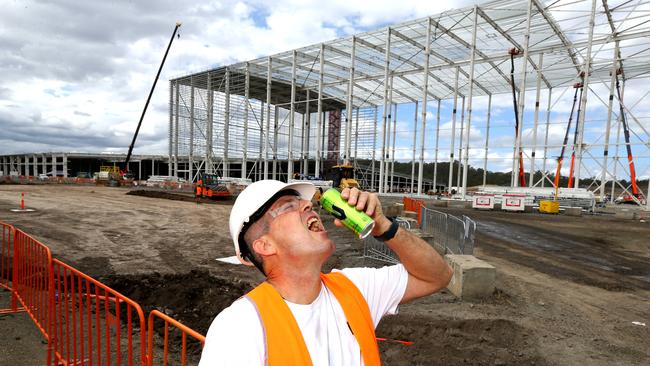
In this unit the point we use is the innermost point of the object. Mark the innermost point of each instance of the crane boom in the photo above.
(137, 130)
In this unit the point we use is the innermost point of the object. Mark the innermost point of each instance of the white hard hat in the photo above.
(254, 197)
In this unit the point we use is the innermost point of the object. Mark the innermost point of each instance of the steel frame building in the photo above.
(290, 112)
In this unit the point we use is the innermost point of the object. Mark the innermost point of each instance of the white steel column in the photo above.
(385, 112)
(415, 134)
(548, 123)
(302, 144)
(617, 157)
(374, 148)
(603, 179)
(469, 104)
(269, 71)
(276, 115)
(487, 139)
(190, 157)
(349, 107)
(171, 126)
(306, 127)
(522, 99)
(65, 166)
(178, 105)
(388, 129)
(226, 127)
(425, 94)
(276, 128)
(460, 144)
(536, 119)
(435, 161)
(356, 134)
(392, 154)
(453, 131)
(260, 160)
(321, 61)
(209, 164)
(247, 105)
(292, 116)
(583, 101)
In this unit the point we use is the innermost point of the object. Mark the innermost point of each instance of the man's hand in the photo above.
(427, 271)
(368, 203)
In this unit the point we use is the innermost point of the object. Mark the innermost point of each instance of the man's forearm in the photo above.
(419, 258)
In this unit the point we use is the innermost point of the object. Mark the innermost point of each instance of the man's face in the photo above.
(298, 231)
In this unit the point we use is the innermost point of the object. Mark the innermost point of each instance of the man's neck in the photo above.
(296, 286)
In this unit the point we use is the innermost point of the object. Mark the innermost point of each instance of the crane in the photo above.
(155, 81)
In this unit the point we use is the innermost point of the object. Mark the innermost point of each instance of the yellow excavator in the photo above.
(343, 177)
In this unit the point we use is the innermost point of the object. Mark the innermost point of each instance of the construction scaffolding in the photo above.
(373, 98)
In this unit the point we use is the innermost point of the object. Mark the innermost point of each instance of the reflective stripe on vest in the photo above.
(283, 339)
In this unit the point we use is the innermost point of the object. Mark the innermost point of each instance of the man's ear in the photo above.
(264, 247)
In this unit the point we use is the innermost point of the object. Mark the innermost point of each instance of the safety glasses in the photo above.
(287, 204)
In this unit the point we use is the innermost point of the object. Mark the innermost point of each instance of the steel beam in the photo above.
(320, 122)
(469, 103)
(538, 86)
(487, 139)
(583, 102)
(522, 99)
(435, 159)
(453, 132)
(226, 127)
(385, 112)
(268, 116)
(244, 159)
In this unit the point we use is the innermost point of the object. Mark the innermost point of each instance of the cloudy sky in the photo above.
(76, 74)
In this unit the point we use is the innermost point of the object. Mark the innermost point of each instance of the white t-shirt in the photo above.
(236, 336)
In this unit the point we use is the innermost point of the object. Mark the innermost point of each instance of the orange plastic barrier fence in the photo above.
(32, 278)
(32, 282)
(6, 266)
(82, 320)
(94, 324)
(185, 331)
(6, 255)
(412, 204)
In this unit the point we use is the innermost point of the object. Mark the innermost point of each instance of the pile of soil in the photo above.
(192, 298)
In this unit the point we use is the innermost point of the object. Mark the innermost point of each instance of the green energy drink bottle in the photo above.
(353, 219)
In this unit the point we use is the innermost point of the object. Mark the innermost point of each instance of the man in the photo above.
(299, 316)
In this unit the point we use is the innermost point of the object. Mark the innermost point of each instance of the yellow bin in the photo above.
(549, 207)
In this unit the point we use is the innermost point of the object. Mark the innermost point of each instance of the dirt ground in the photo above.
(568, 289)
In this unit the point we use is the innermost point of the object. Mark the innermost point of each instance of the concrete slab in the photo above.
(439, 203)
(626, 214)
(410, 215)
(573, 211)
(394, 210)
(472, 279)
(459, 204)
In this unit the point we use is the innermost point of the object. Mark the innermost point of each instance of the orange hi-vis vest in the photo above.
(284, 341)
